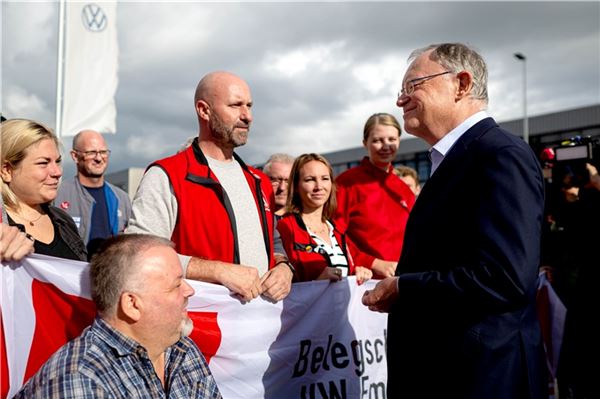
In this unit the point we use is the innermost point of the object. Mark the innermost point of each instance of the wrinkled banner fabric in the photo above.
(320, 342)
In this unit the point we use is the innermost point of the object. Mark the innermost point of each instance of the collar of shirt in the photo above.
(446, 142)
(122, 344)
(125, 346)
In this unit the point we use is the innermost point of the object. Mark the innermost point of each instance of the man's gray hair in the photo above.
(457, 57)
(115, 268)
(279, 157)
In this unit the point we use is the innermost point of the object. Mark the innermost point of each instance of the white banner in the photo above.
(320, 342)
(90, 67)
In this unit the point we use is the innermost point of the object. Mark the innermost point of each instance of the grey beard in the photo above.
(187, 326)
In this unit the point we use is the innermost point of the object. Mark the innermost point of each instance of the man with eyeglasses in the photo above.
(98, 208)
(462, 313)
(278, 168)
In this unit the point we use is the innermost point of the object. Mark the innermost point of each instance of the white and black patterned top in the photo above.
(334, 251)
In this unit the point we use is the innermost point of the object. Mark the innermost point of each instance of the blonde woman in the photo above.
(31, 171)
(372, 202)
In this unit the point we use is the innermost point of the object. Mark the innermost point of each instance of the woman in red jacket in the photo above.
(372, 201)
(318, 249)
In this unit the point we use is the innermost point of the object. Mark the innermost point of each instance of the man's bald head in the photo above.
(223, 104)
(81, 138)
(210, 85)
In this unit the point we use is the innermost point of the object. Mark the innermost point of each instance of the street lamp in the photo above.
(521, 57)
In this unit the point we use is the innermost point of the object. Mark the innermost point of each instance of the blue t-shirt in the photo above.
(100, 228)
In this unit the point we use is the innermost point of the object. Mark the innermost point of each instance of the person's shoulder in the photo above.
(117, 190)
(259, 173)
(69, 182)
(349, 175)
(287, 223)
(188, 345)
(59, 213)
(170, 160)
(65, 362)
(191, 350)
(492, 135)
(67, 187)
(497, 141)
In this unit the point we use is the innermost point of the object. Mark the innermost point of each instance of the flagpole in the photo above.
(59, 67)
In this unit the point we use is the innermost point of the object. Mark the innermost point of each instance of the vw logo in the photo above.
(93, 18)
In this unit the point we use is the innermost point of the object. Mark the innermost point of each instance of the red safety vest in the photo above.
(205, 226)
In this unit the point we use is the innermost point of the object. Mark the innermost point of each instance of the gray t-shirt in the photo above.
(249, 229)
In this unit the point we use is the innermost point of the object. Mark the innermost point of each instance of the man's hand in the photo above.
(277, 282)
(383, 268)
(381, 298)
(243, 280)
(14, 244)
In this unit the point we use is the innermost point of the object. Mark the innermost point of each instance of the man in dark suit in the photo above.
(462, 321)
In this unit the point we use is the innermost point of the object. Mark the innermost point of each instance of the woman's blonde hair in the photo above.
(380, 119)
(294, 202)
(18, 135)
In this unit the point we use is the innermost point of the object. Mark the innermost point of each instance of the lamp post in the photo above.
(521, 57)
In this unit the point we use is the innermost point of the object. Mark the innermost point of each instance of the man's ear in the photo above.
(465, 84)
(6, 172)
(131, 305)
(73, 155)
(203, 110)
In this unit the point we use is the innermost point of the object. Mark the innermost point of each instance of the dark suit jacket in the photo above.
(464, 324)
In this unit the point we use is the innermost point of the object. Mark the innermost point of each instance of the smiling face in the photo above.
(314, 185)
(90, 165)
(35, 179)
(382, 144)
(428, 111)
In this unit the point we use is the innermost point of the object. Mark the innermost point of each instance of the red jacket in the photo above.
(205, 226)
(301, 248)
(375, 206)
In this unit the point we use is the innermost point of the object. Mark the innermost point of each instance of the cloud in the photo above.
(316, 70)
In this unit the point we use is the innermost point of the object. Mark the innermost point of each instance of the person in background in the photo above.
(31, 171)
(409, 176)
(214, 207)
(278, 169)
(573, 243)
(318, 249)
(98, 208)
(372, 202)
(462, 317)
(137, 347)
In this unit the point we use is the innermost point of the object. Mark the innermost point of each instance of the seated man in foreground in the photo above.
(138, 346)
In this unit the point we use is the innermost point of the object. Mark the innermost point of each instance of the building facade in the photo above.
(545, 131)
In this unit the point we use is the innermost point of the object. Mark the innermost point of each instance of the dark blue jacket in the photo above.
(464, 324)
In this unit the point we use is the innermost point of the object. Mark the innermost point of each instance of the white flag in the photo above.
(90, 68)
(319, 342)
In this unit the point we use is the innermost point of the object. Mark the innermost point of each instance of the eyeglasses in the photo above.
(409, 87)
(94, 154)
(276, 181)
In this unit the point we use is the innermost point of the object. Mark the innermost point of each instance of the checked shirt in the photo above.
(103, 363)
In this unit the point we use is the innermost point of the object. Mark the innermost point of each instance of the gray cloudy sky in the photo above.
(316, 70)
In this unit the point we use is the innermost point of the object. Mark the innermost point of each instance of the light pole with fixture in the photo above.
(521, 57)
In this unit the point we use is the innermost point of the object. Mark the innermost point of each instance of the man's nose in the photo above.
(246, 114)
(188, 290)
(402, 100)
